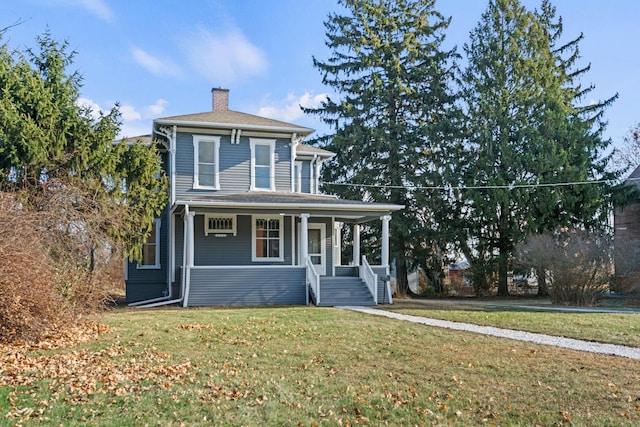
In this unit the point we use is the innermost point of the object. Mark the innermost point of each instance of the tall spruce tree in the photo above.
(49, 145)
(526, 134)
(392, 81)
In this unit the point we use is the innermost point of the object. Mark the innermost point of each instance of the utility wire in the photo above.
(470, 187)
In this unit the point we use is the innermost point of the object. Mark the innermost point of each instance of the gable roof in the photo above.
(229, 119)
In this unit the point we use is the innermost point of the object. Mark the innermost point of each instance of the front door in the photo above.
(316, 246)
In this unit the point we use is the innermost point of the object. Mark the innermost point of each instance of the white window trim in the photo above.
(157, 265)
(231, 230)
(272, 151)
(206, 138)
(254, 258)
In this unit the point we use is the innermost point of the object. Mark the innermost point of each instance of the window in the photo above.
(205, 162)
(297, 177)
(267, 243)
(151, 248)
(263, 164)
(219, 224)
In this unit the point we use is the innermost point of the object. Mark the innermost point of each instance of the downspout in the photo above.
(168, 299)
(294, 144)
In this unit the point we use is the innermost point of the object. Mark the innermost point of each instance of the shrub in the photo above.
(29, 306)
(46, 283)
(578, 264)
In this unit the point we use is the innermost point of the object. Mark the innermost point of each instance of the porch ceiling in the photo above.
(293, 204)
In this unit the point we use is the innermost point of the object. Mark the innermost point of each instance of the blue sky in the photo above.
(161, 58)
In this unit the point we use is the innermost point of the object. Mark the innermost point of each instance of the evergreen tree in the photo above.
(392, 81)
(50, 145)
(526, 134)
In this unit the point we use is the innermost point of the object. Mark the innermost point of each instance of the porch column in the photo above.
(356, 244)
(337, 243)
(304, 238)
(385, 240)
(189, 252)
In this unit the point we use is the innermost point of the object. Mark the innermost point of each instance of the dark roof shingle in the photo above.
(230, 117)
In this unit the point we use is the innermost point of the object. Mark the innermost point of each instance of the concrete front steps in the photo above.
(344, 290)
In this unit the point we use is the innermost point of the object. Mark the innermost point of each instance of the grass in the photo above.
(610, 328)
(308, 366)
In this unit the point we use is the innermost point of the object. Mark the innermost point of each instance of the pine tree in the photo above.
(526, 131)
(392, 83)
(50, 145)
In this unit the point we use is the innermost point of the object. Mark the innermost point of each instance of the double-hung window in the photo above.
(151, 248)
(267, 238)
(206, 162)
(263, 164)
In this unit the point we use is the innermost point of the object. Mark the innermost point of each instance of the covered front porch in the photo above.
(287, 251)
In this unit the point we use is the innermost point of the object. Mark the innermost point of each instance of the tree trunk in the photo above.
(503, 261)
(402, 282)
(543, 288)
(503, 257)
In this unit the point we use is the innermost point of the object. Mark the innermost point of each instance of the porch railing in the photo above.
(313, 280)
(370, 278)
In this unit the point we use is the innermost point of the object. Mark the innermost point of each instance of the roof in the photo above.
(302, 149)
(292, 203)
(634, 178)
(230, 119)
(144, 139)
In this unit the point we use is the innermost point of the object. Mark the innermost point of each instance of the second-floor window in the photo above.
(263, 164)
(206, 161)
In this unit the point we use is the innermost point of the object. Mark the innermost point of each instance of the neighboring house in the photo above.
(246, 222)
(627, 243)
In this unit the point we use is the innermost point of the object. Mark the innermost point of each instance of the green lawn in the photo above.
(308, 366)
(610, 328)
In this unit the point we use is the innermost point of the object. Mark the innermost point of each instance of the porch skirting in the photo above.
(247, 286)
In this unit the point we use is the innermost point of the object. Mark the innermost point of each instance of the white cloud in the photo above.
(224, 57)
(129, 113)
(133, 123)
(91, 105)
(155, 109)
(155, 65)
(96, 7)
(288, 109)
(138, 128)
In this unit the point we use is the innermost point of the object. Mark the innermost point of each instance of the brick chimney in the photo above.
(220, 99)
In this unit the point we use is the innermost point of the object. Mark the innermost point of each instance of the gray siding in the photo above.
(234, 166)
(248, 286)
(142, 284)
(230, 250)
(306, 178)
(283, 165)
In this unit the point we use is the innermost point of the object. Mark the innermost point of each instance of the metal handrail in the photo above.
(370, 278)
(313, 280)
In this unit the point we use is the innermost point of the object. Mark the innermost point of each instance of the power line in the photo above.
(470, 187)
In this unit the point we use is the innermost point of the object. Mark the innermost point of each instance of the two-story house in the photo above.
(247, 224)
